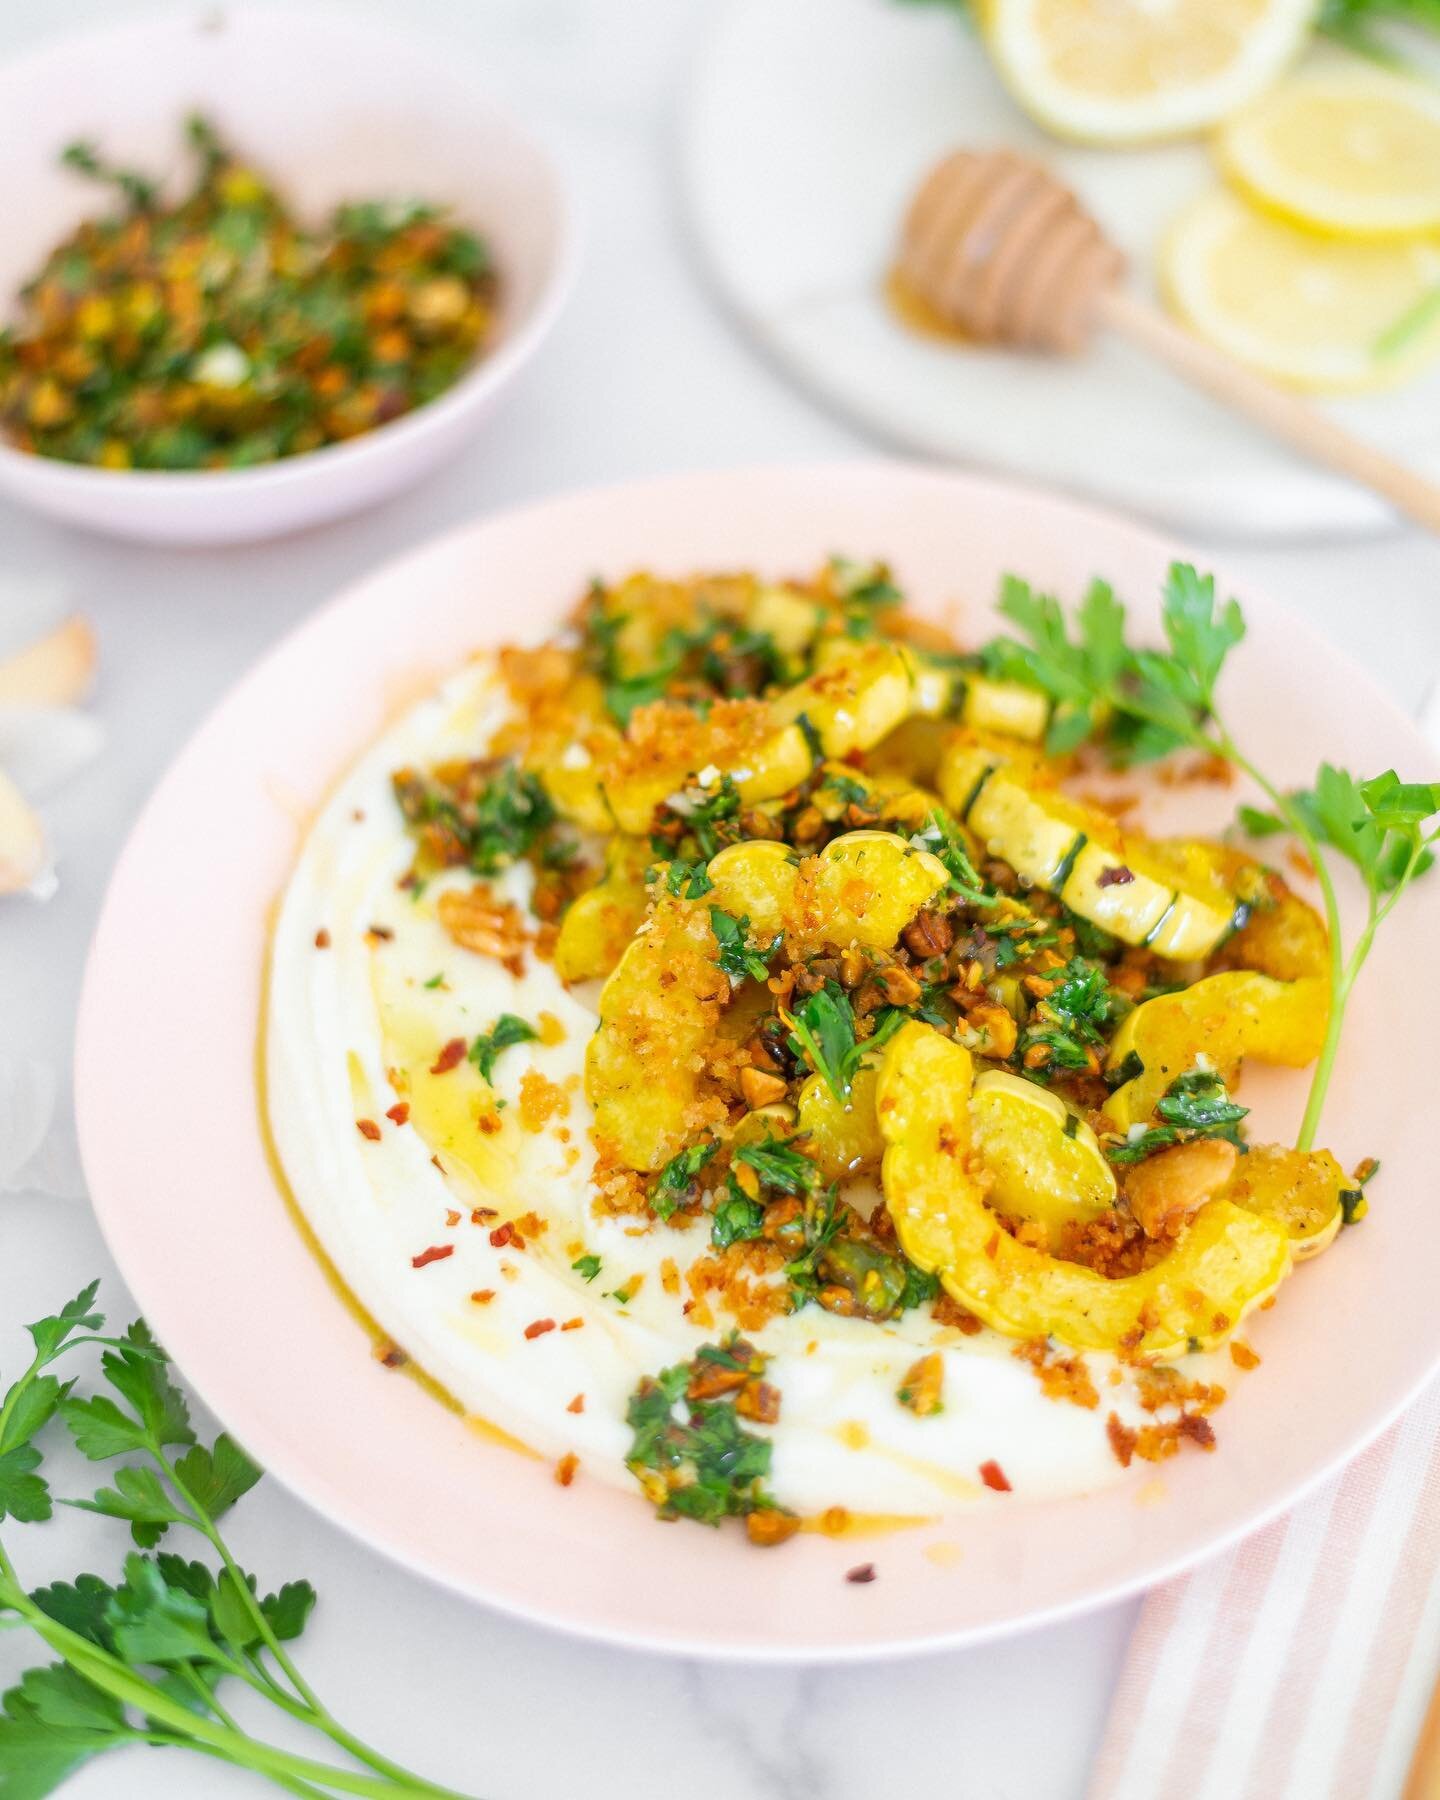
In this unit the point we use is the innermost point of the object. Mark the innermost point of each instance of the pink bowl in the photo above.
(174, 1154)
(335, 109)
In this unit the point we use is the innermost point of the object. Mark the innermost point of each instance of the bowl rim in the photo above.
(485, 373)
(1151, 1564)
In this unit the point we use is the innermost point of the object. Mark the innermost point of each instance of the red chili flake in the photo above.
(436, 1253)
(358, 815)
(383, 932)
(452, 1217)
(399, 1112)
(577, 1405)
(572, 1324)
(368, 1129)
(322, 939)
(482, 1213)
(1117, 875)
(408, 880)
(391, 1355)
(566, 1467)
(538, 1327)
(483, 1296)
(861, 1572)
(502, 1235)
(994, 1477)
(453, 1053)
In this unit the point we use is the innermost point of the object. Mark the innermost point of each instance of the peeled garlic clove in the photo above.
(23, 859)
(43, 747)
(56, 670)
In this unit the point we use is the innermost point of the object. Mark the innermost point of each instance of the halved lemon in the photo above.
(1315, 312)
(1130, 71)
(1353, 151)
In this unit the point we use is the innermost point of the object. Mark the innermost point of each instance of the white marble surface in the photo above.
(644, 374)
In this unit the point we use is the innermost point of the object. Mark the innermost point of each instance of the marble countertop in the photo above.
(644, 374)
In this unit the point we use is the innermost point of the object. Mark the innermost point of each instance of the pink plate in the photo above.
(168, 1118)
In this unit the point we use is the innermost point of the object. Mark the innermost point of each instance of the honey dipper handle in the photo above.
(1284, 415)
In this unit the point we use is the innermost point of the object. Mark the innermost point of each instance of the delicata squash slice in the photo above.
(1080, 854)
(659, 1011)
(1221, 1018)
(1224, 1262)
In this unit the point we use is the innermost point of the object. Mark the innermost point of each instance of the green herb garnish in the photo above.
(736, 1218)
(140, 1659)
(779, 1165)
(1194, 1105)
(1148, 701)
(822, 1030)
(586, 1267)
(704, 1464)
(736, 957)
(504, 1034)
(677, 1177)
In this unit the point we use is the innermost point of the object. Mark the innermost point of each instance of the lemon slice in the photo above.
(1127, 71)
(1351, 151)
(1315, 312)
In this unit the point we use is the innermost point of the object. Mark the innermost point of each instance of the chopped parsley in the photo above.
(688, 880)
(1072, 1019)
(693, 1457)
(675, 1180)
(504, 1034)
(586, 1267)
(736, 1218)
(736, 957)
(779, 1165)
(436, 981)
(1194, 1105)
(941, 837)
(492, 824)
(822, 1030)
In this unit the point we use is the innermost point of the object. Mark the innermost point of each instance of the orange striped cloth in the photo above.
(1299, 1664)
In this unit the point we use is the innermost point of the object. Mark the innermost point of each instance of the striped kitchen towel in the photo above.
(1299, 1665)
(1302, 1664)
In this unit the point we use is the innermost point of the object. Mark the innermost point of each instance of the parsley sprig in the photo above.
(507, 1031)
(139, 1659)
(822, 1030)
(1146, 702)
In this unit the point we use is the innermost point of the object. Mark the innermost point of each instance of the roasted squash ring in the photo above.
(1225, 1262)
(600, 922)
(1223, 1018)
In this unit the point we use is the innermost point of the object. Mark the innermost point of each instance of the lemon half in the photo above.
(1130, 71)
(1318, 313)
(1350, 151)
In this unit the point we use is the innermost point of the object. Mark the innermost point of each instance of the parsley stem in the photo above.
(115, 1678)
(312, 1708)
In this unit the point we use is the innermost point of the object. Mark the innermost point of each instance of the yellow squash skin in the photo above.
(844, 1138)
(658, 1012)
(1225, 1018)
(863, 888)
(600, 922)
(1226, 1261)
(1299, 1189)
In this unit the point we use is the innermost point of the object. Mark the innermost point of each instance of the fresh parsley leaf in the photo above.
(215, 1479)
(688, 880)
(822, 1030)
(779, 1165)
(736, 957)
(493, 822)
(138, 1497)
(76, 1315)
(863, 584)
(737, 1217)
(586, 1267)
(504, 1034)
(1195, 1104)
(942, 837)
(674, 1181)
(152, 1622)
(23, 1494)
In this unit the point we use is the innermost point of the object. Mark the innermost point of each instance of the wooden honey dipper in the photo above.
(997, 246)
